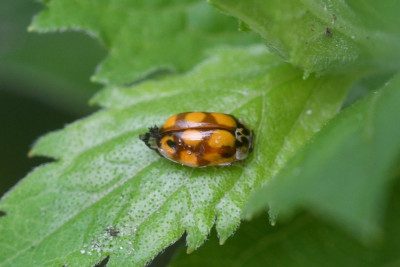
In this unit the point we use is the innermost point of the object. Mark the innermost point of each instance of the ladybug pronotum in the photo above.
(200, 139)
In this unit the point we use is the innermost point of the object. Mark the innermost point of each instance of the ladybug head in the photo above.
(151, 137)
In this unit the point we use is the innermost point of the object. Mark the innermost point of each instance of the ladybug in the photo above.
(200, 139)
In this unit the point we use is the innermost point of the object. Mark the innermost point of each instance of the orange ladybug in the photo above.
(200, 139)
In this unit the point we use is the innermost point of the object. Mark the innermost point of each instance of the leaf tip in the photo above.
(189, 251)
(31, 28)
(248, 212)
(247, 217)
(273, 215)
(98, 78)
(31, 154)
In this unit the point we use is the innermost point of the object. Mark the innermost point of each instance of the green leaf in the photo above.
(143, 36)
(344, 174)
(323, 36)
(106, 178)
(304, 241)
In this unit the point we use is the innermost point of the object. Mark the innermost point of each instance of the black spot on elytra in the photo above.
(226, 155)
(103, 262)
(171, 144)
(227, 151)
(202, 162)
(209, 118)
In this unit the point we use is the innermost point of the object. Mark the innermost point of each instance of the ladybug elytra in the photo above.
(200, 139)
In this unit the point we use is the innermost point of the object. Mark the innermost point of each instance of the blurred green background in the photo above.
(44, 84)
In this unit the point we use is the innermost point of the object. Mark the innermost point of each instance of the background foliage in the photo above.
(107, 197)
